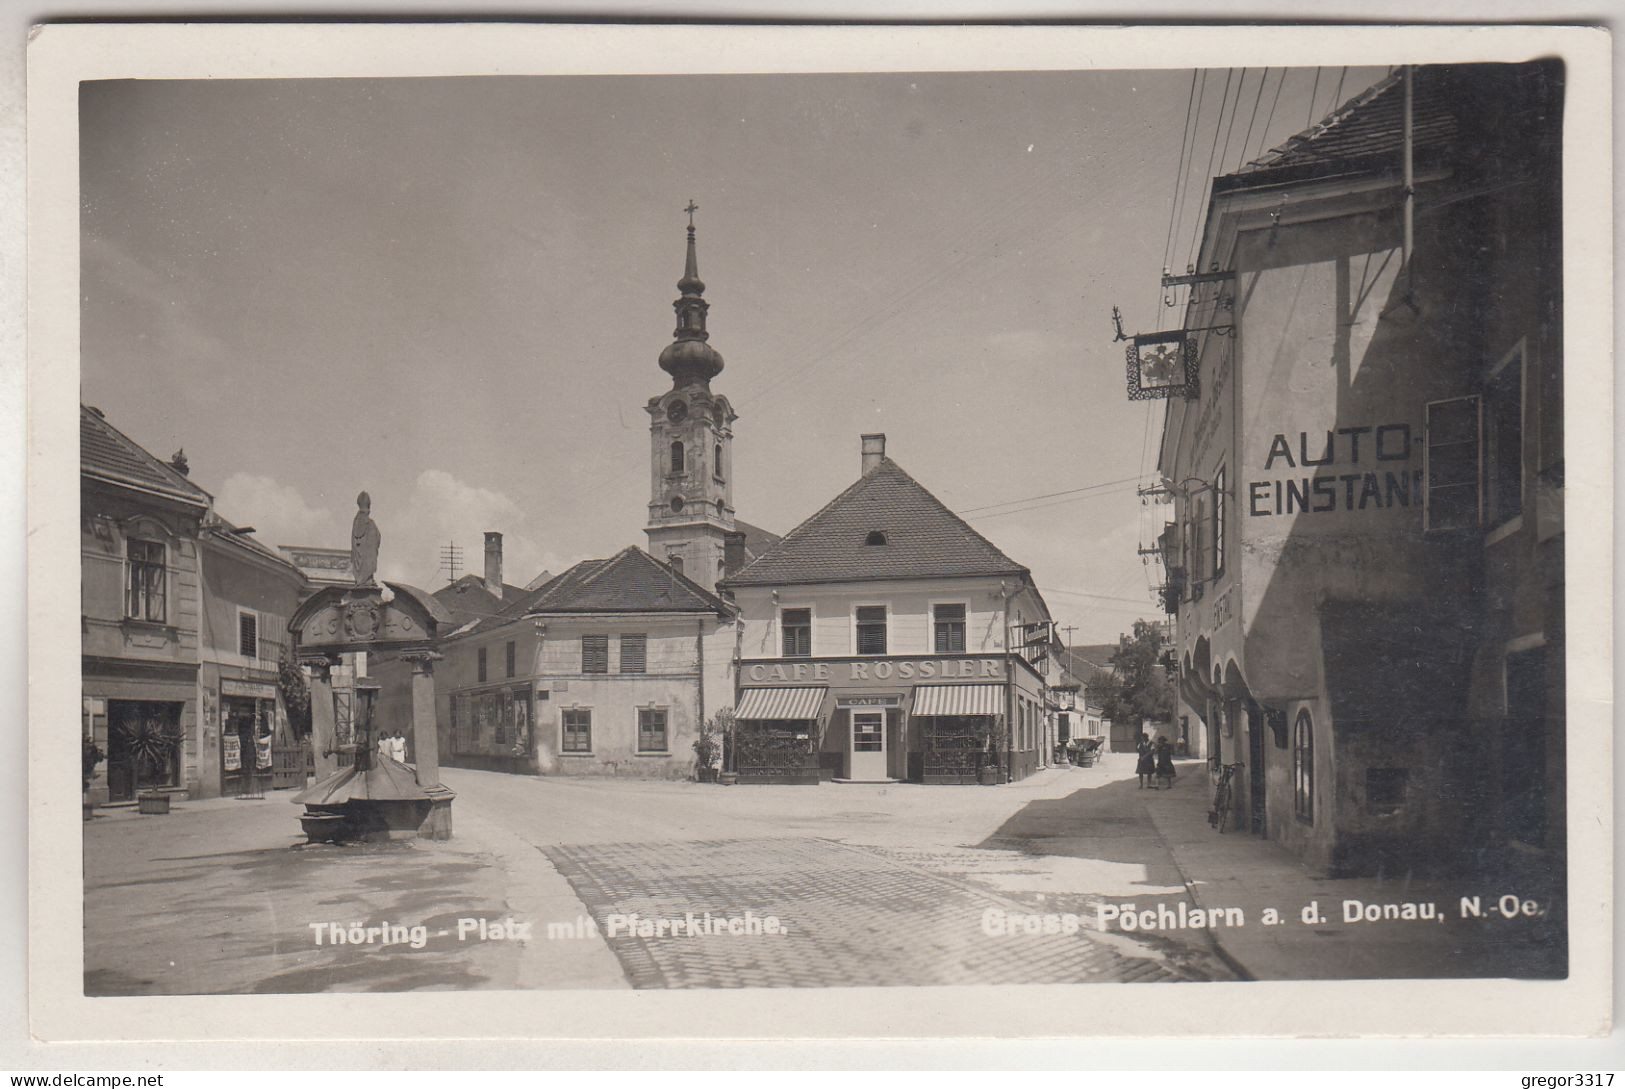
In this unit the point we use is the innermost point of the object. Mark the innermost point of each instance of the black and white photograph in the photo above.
(877, 527)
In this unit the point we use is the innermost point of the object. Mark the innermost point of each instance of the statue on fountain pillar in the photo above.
(364, 540)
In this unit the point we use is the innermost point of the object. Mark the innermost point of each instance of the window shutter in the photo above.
(248, 635)
(871, 629)
(595, 654)
(1453, 465)
(634, 653)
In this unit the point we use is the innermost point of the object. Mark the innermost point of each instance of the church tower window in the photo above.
(690, 512)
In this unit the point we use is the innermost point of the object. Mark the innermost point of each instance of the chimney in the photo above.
(874, 452)
(493, 563)
(733, 551)
(177, 461)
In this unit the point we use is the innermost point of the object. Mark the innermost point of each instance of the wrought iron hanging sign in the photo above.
(1162, 365)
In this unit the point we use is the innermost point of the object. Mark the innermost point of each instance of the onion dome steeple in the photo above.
(689, 358)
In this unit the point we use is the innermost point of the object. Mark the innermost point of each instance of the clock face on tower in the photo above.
(677, 411)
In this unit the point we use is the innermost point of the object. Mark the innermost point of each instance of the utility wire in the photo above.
(1313, 92)
(1052, 495)
(1241, 85)
(1258, 98)
(1264, 135)
(1207, 174)
(1179, 174)
(1052, 503)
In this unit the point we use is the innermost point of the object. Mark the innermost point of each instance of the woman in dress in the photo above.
(1147, 767)
(1165, 763)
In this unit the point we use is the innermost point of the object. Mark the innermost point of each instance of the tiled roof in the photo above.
(108, 453)
(467, 598)
(757, 539)
(1364, 133)
(631, 581)
(923, 539)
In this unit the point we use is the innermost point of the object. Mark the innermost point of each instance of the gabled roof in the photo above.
(923, 539)
(631, 581)
(108, 454)
(1364, 134)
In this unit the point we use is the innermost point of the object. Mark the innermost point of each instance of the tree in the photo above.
(1140, 687)
(295, 692)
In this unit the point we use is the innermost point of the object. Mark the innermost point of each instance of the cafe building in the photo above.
(885, 640)
(1366, 469)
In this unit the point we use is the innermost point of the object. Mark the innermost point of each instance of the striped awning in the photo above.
(780, 703)
(959, 699)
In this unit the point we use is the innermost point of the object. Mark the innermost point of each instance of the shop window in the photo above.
(577, 730)
(480, 665)
(595, 654)
(678, 461)
(509, 654)
(948, 623)
(147, 590)
(1218, 523)
(634, 653)
(651, 730)
(1503, 395)
(1454, 497)
(795, 626)
(248, 635)
(871, 623)
(1303, 768)
(500, 712)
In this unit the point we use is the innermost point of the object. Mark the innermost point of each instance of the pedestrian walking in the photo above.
(1165, 763)
(1147, 766)
(397, 747)
(384, 750)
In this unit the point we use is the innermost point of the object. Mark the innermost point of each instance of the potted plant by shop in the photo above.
(90, 754)
(707, 750)
(150, 744)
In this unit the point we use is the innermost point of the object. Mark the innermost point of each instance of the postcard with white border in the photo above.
(760, 532)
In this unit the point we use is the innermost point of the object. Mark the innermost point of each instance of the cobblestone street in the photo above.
(875, 885)
(855, 916)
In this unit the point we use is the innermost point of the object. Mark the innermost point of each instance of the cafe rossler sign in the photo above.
(857, 671)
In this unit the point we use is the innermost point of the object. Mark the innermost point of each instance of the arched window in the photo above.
(676, 563)
(716, 461)
(1303, 767)
(677, 462)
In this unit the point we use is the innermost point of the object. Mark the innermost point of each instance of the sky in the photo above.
(452, 293)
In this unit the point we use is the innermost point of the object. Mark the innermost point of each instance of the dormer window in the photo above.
(876, 537)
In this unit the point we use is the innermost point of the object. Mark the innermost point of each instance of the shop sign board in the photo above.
(859, 671)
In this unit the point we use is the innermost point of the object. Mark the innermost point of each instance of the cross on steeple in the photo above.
(691, 209)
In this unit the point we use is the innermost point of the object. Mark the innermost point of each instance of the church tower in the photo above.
(691, 509)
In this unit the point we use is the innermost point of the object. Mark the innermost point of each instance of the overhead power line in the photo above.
(1052, 495)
